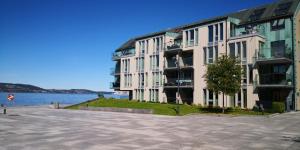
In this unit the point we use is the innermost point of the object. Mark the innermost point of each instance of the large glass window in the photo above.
(221, 31)
(186, 38)
(244, 74)
(244, 50)
(210, 33)
(210, 54)
(196, 36)
(216, 32)
(232, 50)
(278, 48)
(192, 38)
(238, 44)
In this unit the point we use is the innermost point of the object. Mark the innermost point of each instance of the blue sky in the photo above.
(68, 43)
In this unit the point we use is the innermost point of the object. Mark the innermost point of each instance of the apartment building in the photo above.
(170, 65)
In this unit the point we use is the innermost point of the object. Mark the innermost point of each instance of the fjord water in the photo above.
(33, 99)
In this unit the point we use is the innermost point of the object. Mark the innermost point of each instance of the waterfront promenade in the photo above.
(45, 128)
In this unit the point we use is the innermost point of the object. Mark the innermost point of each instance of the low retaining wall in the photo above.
(113, 109)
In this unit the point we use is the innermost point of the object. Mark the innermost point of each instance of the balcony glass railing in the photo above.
(114, 71)
(114, 85)
(120, 54)
(275, 78)
(268, 53)
(175, 46)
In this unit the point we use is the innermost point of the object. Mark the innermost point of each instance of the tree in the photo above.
(224, 76)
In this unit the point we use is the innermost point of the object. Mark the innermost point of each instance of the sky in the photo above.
(67, 44)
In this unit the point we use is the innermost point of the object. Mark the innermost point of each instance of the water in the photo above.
(33, 99)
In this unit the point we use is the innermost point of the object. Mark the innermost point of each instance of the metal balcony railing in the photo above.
(173, 82)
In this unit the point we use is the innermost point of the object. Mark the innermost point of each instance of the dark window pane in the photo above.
(221, 31)
(216, 52)
(244, 50)
(232, 49)
(216, 32)
(210, 33)
(278, 48)
(210, 54)
(277, 24)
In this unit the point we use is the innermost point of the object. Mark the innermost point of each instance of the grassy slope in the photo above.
(162, 109)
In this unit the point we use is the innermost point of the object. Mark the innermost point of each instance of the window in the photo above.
(147, 46)
(232, 30)
(232, 50)
(158, 42)
(210, 98)
(221, 31)
(216, 32)
(210, 33)
(192, 38)
(245, 97)
(238, 44)
(256, 14)
(278, 48)
(204, 56)
(277, 24)
(146, 79)
(196, 36)
(244, 78)
(186, 38)
(250, 74)
(244, 50)
(210, 54)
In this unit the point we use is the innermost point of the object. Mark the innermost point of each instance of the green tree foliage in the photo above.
(224, 76)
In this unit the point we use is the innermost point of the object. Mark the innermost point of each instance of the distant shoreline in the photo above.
(26, 88)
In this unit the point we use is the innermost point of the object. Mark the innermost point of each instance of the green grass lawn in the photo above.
(158, 108)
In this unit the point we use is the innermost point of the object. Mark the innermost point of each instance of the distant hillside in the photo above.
(26, 88)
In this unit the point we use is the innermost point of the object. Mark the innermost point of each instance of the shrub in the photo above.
(255, 108)
(229, 109)
(278, 107)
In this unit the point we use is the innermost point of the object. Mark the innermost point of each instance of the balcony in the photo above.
(115, 85)
(273, 80)
(183, 83)
(173, 49)
(260, 57)
(115, 72)
(246, 35)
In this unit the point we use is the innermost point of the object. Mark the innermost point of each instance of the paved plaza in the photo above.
(42, 128)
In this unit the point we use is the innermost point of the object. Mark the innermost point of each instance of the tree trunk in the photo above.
(223, 109)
